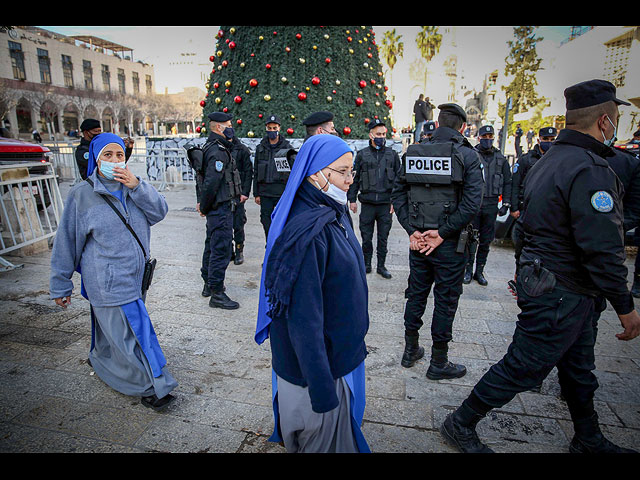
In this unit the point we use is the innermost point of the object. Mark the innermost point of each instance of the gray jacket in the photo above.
(92, 236)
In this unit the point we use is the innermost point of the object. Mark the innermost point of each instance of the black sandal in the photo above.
(157, 403)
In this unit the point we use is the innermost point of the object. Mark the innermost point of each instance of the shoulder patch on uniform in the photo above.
(86, 155)
(602, 201)
(219, 166)
(515, 167)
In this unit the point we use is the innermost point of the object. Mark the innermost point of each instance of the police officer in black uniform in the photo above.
(523, 164)
(571, 251)
(375, 168)
(89, 128)
(218, 194)
(427, 131)
(319, 123)
(272, 165)
(436, 195)
(497, 181)
(242, 157)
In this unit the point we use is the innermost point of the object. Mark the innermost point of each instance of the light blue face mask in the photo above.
(106, 168)
(611, 141)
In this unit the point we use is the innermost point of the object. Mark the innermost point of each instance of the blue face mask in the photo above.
(544, 146)
(486, 143)
(106, 168)
(272, 134)
(379, 142)
(612, 140)
(229, 132)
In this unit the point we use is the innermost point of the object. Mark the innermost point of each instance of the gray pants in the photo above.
(305, 431)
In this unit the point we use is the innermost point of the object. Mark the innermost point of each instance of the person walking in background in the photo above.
(313, 306)
(420, 112)
(111, 259)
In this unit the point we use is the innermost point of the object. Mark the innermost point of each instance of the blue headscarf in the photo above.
(97, 145)
(315, 154)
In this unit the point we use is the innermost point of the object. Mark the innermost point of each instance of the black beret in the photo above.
(592, 92)
(429, 127)
(89, 124)
(375, 123)
(548, 132)
(485, 129)
(219, 116)
(453, 108)
(273, 119)
(317, 118)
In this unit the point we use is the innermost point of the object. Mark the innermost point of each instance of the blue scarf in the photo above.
(279, 277)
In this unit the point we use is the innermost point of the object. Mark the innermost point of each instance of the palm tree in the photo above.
(392, 49)
(428, 41)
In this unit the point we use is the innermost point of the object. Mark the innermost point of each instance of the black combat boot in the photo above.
(459, 429)
(239, 256)
(412, 351)
(367, 264)
(468, 273)
(206, 291)
(219, 299)
(589, 439)
(635, 289)
(382, 270)
(479, 276)
(233, 253)
(440, 367)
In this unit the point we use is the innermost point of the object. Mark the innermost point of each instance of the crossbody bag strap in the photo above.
(106, 199)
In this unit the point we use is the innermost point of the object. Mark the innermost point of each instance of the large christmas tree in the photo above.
(292, 72)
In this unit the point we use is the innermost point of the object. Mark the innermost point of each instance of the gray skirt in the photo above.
(118, 358)
(306, 431)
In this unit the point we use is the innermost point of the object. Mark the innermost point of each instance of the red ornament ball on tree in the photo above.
(302, 96)
(346, 130)
(315, 80)
(327, 60)
(253, 82)
(362, 84)
(232, 45)
(212, 58)
(225, 63)
(238, 99)
(268, 66)
(225, 109)
(289, 131)
(239, 121)
(202, 103)
(298, 36)
(359, 101)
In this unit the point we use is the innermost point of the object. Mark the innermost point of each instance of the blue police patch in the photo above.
(86, 155)
(602, 201)
(515, 168)
(219, 166)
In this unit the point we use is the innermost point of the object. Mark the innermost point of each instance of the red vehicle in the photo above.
(14, 151)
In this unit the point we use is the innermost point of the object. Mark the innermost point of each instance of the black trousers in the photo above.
(444, 271)
(485, 223)
(267, 204)
(217, 246)
(378, 217)
(239, 221)
(556, 329)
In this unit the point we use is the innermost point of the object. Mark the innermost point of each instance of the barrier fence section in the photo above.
(30, 208)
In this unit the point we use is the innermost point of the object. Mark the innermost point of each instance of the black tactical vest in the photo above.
(492, 173)
(376, 171)
(434, 173)
(272, 168)
(231, 185)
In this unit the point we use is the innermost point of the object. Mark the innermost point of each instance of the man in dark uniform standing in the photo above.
(437, 193)
(521, 167)
(497, 181)
(319, 123)
(272, 165)
(219, 192)
(427, 131)
(518, 139)
(242, 157)
(375, 169)
(89, 128)
(572, 251)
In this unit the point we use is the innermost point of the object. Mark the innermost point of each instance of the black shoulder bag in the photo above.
(149, 263)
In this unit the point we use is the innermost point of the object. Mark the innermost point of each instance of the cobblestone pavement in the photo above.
(51, 400)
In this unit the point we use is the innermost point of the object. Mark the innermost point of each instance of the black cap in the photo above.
(89, 124)
(429, 128)
(486, 129)
(547, 132)
(317, 118)
(273, 119)
(219, 116)
(453, 108)
(592, 92)
(375, 123)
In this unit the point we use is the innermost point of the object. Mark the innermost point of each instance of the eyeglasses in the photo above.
(347, 174)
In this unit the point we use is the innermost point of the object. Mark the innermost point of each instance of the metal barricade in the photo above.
(169, 166)
(30, 209)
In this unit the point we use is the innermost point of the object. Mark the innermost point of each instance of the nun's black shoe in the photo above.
(158, 403)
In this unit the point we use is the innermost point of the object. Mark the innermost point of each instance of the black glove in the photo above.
(503, 210)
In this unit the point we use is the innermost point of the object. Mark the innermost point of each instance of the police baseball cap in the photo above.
(219, 116)
(485, 130)
(592, 92)
(317, 118)
(273, 119)
(375, 123)
(89, 124)
(547, 132)
(453, 108)
(429, 128)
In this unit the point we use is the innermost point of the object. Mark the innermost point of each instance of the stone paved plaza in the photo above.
(51, 400)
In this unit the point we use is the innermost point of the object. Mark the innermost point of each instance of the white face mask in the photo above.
(334, 192)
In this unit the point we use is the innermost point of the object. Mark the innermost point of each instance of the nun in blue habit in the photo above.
(92, 240)
(313, 306)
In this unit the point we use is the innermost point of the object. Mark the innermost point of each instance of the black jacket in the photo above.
(520, 170)
(384, 165)
(572, 219)
(497, 176)
(242, 156)
(264, 155)
(219, 170)
(471, 191)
